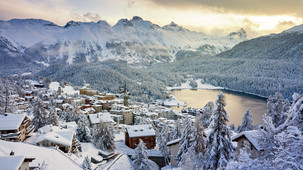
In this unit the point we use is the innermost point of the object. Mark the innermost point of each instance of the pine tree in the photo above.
(185, 140)
(206, 114)
(290, 149)
(198, 141)
(86, 165)
(218, 142)
(163, 140)
(53, 117)
(177, 130)
(83, 131)
(246, 122)
(140, 158)
(197, 148)
(276, 108)
(104, 137)
(40, 114)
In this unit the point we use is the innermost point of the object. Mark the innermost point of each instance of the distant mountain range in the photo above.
(36, 43)
(261, 66)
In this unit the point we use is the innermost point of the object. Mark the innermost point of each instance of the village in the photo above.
(58, 126)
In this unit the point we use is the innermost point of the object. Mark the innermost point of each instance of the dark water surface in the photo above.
(236, 103)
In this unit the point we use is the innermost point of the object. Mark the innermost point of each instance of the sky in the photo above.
(215, 17)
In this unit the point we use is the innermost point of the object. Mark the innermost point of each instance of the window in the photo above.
(251, 147)
(146, 137)
(134, 138)
(146, 142)
(242, 144)
(134, 143)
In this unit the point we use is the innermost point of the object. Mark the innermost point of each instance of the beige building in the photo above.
(128, 116)
(174, 148)
(15, 127)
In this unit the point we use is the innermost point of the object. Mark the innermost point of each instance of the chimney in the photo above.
(12, 153)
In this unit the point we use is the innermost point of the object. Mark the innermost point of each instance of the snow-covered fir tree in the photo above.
(83, 131)
(177, 129)
(185, 139)
(197, 148)
(290, 148)
(218, 142)
(276, 108)
(86, 165)
(206, 113)
(246, 122)
(198, 141)
(53, 117)
(104, 136)
(283, 144)
(40, 114)
(140, 158)
(162, 142)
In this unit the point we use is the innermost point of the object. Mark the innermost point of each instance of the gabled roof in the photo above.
(11, 121)
(253, 136)
(140, 130)
(56, 135)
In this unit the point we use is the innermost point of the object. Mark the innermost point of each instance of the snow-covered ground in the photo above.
(69, 90)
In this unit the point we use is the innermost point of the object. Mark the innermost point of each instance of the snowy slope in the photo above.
(135, 41)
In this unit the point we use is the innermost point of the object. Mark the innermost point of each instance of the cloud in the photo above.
(88, 17)
(56, 11)
(269, 7)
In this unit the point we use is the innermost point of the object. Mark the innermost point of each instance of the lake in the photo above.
(236, 103)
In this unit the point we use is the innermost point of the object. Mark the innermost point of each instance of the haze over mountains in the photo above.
(136, 48)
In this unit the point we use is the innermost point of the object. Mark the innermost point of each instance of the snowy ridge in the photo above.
(135, 40)
(298, 29)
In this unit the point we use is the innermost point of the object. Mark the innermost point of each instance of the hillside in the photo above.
(261, 66)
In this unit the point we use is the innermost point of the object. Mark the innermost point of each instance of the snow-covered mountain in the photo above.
(135, 41)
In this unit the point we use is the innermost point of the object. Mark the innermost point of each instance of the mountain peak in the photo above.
(173, 27)
(125, 23)
(238, 34)
(71, 23)
(137, 18)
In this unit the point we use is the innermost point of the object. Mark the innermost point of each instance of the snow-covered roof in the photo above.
(254, 136)
(11, 162)
(150, 113)
(54, 159)
(173, 141)
(140, 130)
(100, 117)
(11, 121)
(56, 135)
